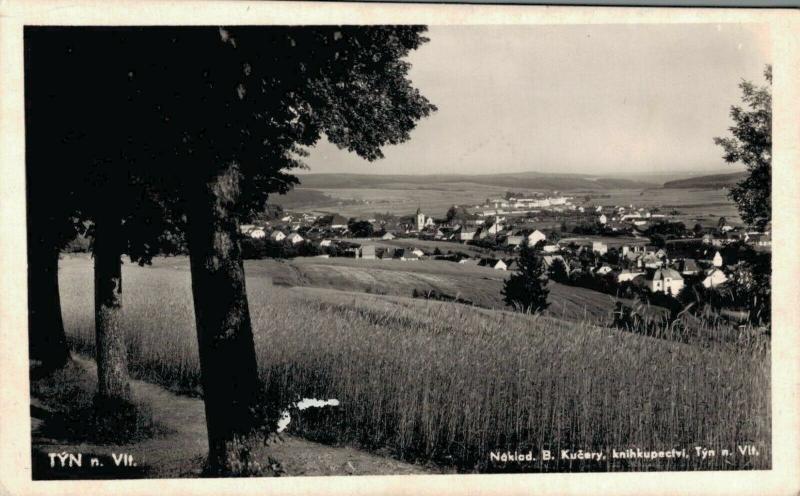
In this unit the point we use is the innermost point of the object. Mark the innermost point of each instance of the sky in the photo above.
(596, 99)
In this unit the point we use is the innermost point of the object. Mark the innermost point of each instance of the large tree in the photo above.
(233, 111)
(750, 144)
(81, 111)
(52, 215)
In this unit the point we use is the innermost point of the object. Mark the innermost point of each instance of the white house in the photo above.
(500, 265)
(408, 255)
(599, 247)
(388, 236)
(466, 235)
(277, 236)
(535, 237)
(667, 281)
(368, 252)
(602, 219)
(495, 228)
(494, 263)
(325, 243)
(550, 248)
(294, 238)
(717, 261)
(714, 278)
(419, 253)
(257, 233)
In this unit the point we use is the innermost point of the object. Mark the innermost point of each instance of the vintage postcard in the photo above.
(398, 249)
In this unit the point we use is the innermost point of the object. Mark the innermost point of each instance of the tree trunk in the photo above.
(47, 341)
(113, 384)
(224, 332)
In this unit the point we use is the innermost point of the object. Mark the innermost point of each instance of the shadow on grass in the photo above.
(67, 418)
(64, 405)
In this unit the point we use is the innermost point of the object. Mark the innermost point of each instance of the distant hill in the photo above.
(714, 181)
(523, 180)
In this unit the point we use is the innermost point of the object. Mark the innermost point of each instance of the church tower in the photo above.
(420, 220)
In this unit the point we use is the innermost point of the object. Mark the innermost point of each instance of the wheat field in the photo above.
(447, 384)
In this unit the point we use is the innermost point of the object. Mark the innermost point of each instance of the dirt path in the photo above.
(178, 450)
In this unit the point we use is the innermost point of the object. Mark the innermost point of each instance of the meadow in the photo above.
(481, 286)
(444, 384)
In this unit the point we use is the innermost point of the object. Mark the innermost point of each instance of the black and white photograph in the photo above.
(406, 249)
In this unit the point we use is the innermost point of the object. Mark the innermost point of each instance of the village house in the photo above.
(550, 248)
(514, 240)
(667, 281)
(294, 238)
(257, 233)
(388, 236)
(599, 247)
(717, 260)
(758, 239)
(688, 267)
(714, 277)
(535, 237)
(494, 263)
(277, 236)
(367, 252)
(338, 222)
(466, 235)
(325, 243)
(495, 228)
(406, 255)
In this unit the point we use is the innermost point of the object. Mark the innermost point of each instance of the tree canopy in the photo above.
(750, 143)
(526, 289)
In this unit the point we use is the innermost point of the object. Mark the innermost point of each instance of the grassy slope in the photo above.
(479, 285)
(446, 382)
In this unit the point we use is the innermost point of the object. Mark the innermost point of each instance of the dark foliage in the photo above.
(361, 228)
(750, 143)
(526, 289)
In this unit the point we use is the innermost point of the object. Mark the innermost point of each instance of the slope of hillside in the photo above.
(712, 181)
(525, 180)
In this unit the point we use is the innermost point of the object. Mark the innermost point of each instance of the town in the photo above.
(617, 249)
